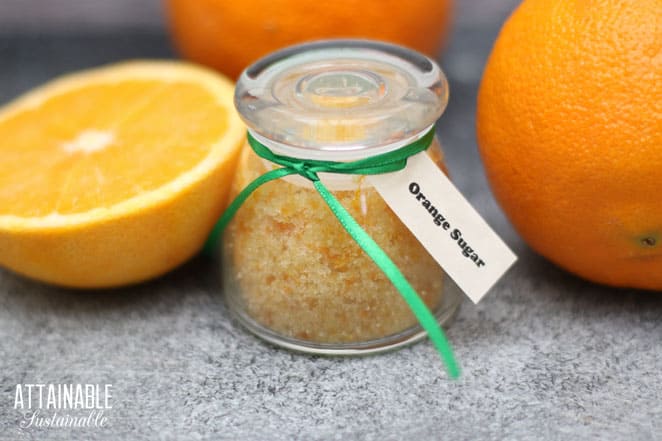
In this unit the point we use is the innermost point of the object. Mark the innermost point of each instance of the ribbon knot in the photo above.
(384, 163)
(305, 169)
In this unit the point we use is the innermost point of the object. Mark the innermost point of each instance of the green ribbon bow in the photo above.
(384, 163)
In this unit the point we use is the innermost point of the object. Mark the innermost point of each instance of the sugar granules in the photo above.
(299, 272)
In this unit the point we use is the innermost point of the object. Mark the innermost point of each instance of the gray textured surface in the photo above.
(545, 355)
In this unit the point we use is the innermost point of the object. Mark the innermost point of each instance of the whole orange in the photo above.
(570, 132)
(229, 35)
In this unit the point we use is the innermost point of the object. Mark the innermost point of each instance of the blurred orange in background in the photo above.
(228, 35)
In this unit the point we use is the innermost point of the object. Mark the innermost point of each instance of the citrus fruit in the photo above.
(228, 35)
(570, 133)
(115, 175)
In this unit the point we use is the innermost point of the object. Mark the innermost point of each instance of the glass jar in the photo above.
(292, 274)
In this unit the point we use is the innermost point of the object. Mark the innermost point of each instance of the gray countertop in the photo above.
(545, 355)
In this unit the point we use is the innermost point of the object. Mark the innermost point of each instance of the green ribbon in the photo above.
(384, 163)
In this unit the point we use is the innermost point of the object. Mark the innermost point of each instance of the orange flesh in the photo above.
(97, 145)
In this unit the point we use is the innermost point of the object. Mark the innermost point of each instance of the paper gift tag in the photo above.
(451, 230)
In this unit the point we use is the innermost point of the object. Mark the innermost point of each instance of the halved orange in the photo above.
(115, 175)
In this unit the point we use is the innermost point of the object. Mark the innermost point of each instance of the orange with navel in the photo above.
(570, 132)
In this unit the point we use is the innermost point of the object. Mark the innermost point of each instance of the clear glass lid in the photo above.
(341, 95)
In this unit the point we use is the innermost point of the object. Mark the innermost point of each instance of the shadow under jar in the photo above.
(292, 274)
